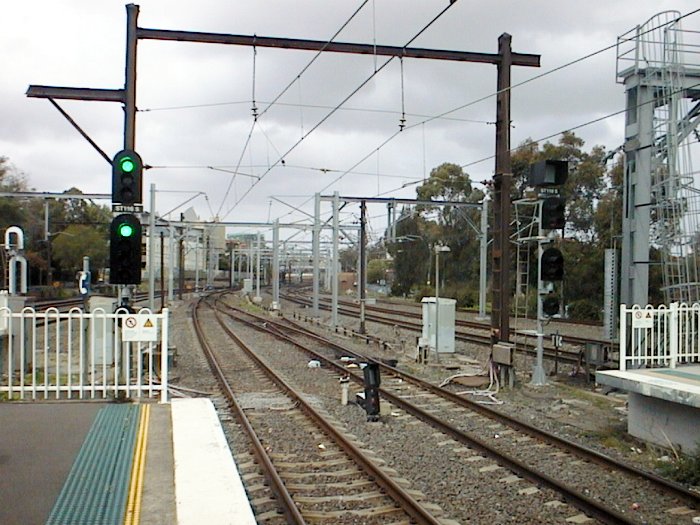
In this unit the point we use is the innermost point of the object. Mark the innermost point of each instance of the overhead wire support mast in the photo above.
(504, 59)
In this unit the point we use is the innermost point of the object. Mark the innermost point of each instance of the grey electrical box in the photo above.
(502, 354)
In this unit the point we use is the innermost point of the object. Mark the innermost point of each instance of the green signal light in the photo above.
(126, 230)
(127, 164)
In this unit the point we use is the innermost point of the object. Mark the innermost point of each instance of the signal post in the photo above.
(125, 232)
(547, 177)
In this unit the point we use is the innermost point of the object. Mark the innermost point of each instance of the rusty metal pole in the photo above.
(132, 16)
(363, 264)
(500, 315)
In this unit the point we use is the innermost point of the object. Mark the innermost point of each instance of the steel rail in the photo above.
(585, 452)
(588, 505)
(572, 339)
(563, 355)
(285, 500)
(581, 451)
(393, 489)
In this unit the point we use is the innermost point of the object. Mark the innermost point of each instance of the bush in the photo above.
(465, 295)
(423, 291)
(584, 310)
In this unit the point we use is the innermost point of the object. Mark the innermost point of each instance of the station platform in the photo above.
(663, 403)
(117, 463)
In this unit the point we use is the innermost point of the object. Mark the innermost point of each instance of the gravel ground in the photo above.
(469, 489)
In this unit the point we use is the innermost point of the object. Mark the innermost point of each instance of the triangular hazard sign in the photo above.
(148, 324)
(648, 315)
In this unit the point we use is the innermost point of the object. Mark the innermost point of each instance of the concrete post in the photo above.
(316, 248)
(334, 264)
(257, 270)
(196, 262)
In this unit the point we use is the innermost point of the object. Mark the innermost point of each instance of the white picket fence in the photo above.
(79, 355)
(661, 337)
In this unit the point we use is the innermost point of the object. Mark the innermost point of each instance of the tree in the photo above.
(411, 252)
(456, 227)
(76, 241)
(586, 182)
(12, 211)
(376, 270)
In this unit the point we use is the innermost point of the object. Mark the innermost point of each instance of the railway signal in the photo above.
(125, 250)
(372, 383)
(552, 265)
(553, 213)
(550, 304)
(127, 171)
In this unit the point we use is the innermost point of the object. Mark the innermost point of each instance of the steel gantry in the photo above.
(503, 60)
(336, 198)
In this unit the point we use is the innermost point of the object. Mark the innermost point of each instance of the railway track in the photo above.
(470, 333)
(544, 460)
(321, 476)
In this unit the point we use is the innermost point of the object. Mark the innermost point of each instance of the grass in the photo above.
(578, 393)
(684, 468)
(614, 437)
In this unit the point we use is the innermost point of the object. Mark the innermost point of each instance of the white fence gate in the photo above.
(660, 337)
(79, 355)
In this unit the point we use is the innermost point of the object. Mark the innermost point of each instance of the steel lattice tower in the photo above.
(659, 68)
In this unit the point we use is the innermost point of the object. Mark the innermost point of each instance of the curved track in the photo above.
(361, 488)
(545, 460)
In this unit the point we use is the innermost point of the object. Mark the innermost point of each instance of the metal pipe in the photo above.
(334, 264)
(363, 264)
(151, 250)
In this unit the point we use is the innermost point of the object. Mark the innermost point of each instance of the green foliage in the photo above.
(411, 252)
(348, 259)
(376, 270)
(686, 469)
(466, 296)
(584, 310)
(12, 211)
(423, 291)
(77, 241)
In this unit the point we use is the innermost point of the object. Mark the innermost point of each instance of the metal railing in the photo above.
(662, 337)
(79, 355)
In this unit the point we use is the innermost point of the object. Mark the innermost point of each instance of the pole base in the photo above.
(539, 378)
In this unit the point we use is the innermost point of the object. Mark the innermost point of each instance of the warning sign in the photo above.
(141, 327)
(643, 319)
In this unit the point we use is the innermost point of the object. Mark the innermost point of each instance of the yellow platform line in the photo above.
(133, 504)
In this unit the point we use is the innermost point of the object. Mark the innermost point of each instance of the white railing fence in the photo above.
(660, 337)
(79, 355)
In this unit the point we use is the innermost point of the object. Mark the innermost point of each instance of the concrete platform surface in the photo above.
(663, 404)
(189, 475)
(38, 443)
(677, 385)
(208, 486)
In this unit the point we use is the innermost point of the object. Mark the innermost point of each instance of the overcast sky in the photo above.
(195, 100)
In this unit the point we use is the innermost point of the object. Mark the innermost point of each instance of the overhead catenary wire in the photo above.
(256, 115)
(348, 97)
(302, 106)
(552, 135)
(486, 97)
